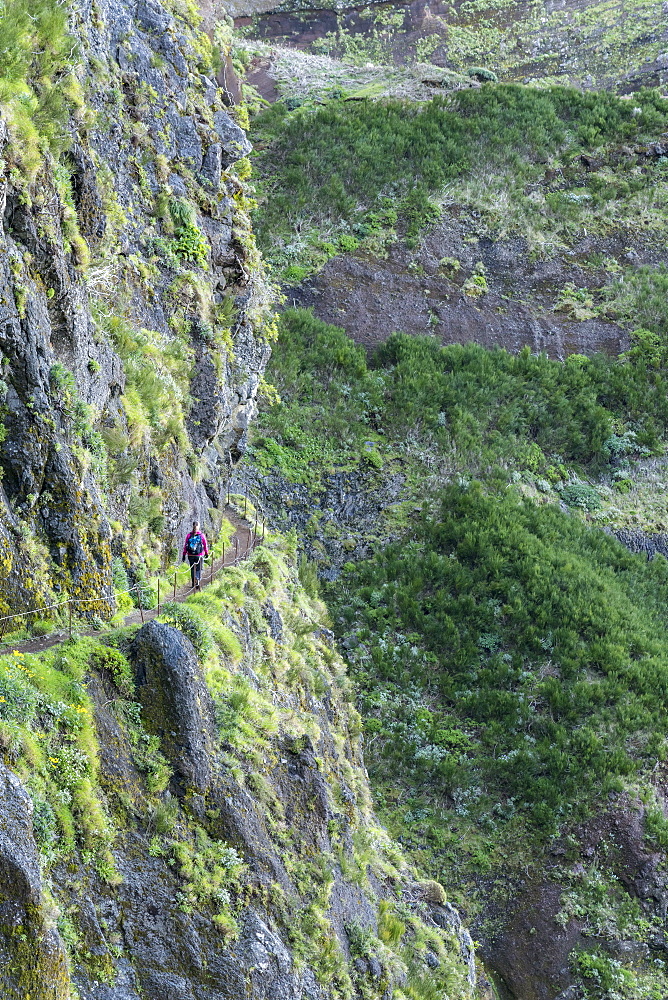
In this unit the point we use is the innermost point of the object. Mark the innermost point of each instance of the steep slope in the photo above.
(202, 817)
(133, 334)
(184, 808)
(508, 654)
(617, 44)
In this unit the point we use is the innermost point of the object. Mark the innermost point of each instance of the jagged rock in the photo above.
(176, 704)
(177, 186)
(650, 544)
(212, 165)
(187, 142)
(19, 864)
(234, 143)
(46, 318)
(32, 959)
(152, 16)
(571, 993)
(274, 621)
(264, 951)
(446, 916)
(90, 207)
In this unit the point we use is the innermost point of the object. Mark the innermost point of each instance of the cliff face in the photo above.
(133, 308)
(221, 840)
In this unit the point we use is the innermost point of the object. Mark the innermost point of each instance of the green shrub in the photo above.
(189, 243)
(308, 576)
(485, 408)
(482, 74)
(581, 495)
(18, 697)
(538, 637)
(656, 827)
(186, 619)
(107, 658)
(390, 928)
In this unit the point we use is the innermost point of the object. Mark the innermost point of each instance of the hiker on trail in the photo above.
(196, 548)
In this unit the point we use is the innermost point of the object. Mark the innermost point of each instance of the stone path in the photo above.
(242, 542)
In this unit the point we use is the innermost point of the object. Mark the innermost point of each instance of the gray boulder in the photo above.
(176, 705)
(233, 140)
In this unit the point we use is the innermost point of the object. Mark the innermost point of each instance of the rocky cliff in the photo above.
(184, 808)
(134, 333)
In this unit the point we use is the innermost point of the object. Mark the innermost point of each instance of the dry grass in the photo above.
(304, 76)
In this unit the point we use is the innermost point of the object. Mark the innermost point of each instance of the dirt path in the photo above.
(242, 543)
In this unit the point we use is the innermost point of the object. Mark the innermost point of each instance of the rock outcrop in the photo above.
(32, 958)
(175, 701)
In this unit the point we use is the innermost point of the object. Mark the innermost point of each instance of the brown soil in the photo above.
(259, 76)
(408, 292)
(243, 542)
(531, 956)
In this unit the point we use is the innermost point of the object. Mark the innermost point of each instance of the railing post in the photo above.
(158, 595)
(175, 586)
(245, 503)
(141, 606)
(69, 604)
(236, 549)
(223, 554)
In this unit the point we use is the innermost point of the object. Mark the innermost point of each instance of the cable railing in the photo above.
(230, 555)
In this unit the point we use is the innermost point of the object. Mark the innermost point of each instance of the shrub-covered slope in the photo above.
(346, 168)
(509, 655)
(505, 215)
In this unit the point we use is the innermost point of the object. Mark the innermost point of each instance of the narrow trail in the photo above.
(242, 543)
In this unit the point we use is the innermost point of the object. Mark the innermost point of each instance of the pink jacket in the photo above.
(205, 550)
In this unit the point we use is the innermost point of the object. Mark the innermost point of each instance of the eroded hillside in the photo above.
(499, 254)
(617, 44)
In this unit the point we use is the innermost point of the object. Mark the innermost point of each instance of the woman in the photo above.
(196, 548)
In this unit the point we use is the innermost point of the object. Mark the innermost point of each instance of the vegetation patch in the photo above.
(457, 409)
(329, 170)
(508, 655)
(37, 85)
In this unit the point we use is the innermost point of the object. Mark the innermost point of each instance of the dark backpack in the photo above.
(195, 545)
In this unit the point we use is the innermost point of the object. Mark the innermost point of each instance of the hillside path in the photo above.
(242, 543)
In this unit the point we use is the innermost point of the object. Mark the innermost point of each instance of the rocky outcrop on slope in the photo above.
(643, 541)
(432, 291)
(32, 958)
